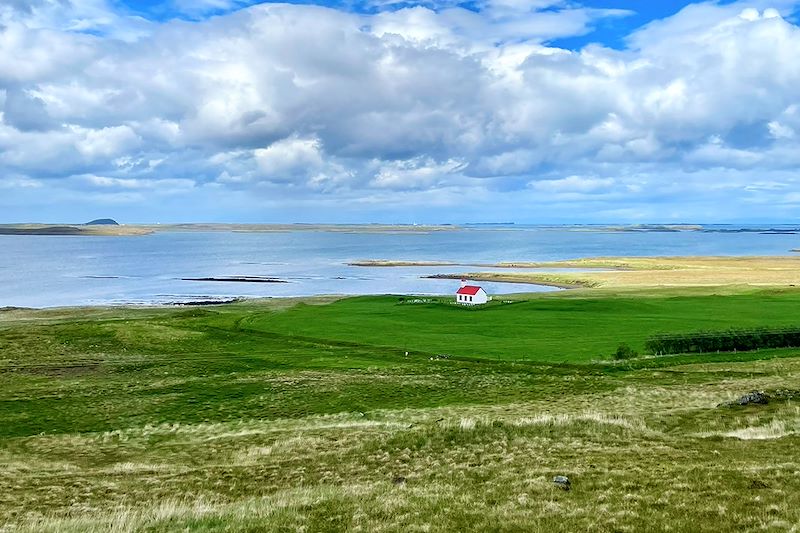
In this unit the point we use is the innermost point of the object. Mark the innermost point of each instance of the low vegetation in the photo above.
(375, 415)
(724, 341)
(625, 352)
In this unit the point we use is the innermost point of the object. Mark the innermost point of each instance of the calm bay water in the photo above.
(45, 271)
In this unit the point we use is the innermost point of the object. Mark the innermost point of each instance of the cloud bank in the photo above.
(430, 113)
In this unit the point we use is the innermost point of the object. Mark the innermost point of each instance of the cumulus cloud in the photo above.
(417, 173)
(320, 106)
(289, 158)
(120, 183)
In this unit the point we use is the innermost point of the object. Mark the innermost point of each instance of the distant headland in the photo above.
(110, 227)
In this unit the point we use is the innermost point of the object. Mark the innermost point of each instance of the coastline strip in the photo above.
(546, 280)
(653, 272)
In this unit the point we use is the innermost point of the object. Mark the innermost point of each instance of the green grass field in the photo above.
(542, 329)
(310, 416)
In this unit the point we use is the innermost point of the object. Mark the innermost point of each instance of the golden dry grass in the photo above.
(656, 272)
(655, 454)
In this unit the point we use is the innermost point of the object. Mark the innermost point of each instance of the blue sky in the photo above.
(536, 111)
(610, 33)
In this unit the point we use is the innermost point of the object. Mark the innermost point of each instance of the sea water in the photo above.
(46, 271)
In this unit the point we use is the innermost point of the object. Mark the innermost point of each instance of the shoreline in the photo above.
(621, 263)
(599, 275)
(503, 278)
(12, 313)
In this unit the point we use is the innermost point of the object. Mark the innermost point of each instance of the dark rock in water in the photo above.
(102, 222)
(239, 279)
(754, 397)
(562, 482)
(210, 301)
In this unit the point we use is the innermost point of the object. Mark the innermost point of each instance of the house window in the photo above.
(470, 298)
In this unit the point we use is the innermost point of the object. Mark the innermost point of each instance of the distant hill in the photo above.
(103, 222)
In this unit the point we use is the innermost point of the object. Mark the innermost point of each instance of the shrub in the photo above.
(724, 341)
(625, 352)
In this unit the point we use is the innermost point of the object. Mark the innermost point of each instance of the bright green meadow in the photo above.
(398, 414)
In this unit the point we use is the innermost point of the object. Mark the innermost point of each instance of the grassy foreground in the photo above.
(310, 416)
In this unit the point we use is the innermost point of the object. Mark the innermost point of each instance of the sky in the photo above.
(352, 111)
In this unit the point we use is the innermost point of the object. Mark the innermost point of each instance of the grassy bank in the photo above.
(289, 415)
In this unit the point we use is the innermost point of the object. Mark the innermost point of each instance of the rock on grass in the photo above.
(562, 482)
(751, 398)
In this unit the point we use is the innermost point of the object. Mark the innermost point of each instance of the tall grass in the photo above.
(240, 418)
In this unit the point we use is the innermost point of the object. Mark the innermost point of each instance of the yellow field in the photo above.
(654, 272)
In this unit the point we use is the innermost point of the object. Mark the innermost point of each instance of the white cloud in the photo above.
(286, 159)
(780, 131)
(75, 16)
(417, 173)
(302, 100)
(106, 142)
(134, 184)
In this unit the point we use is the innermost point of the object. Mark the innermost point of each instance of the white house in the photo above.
(471, 295)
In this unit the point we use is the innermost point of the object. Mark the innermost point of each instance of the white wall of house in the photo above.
(480, 298)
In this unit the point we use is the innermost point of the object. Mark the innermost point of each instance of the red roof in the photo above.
(469, 290)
